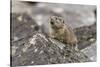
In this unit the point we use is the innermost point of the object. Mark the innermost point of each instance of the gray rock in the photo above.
(91, 52)
(86, 35)
(40, 50)
(22, 26)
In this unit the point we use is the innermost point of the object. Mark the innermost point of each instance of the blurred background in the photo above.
(74, 15)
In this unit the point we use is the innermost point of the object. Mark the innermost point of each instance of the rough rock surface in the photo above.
(40, 50)
(86, 35)
(91, 51)
(22, 27)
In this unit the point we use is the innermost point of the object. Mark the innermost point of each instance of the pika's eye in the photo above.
(51, 22)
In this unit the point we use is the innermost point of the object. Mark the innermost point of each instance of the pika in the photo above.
(62, 32)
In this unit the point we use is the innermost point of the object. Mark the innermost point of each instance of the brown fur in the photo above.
(62, 32)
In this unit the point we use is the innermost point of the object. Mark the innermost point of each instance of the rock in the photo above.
(22, 26)
(41, 50)
(86, 35)
(91, 52)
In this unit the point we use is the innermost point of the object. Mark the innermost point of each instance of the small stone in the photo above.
(14, 50)
(64, 57)
(32, 62)
(24, 49)
(35, 50)
(19, 55)
(92, 58)
(41, 52)
(92, 39)
(33, 40)
(15, 38)
(32, 26)
(19, 18)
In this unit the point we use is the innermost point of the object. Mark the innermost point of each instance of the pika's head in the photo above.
(56, 22)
